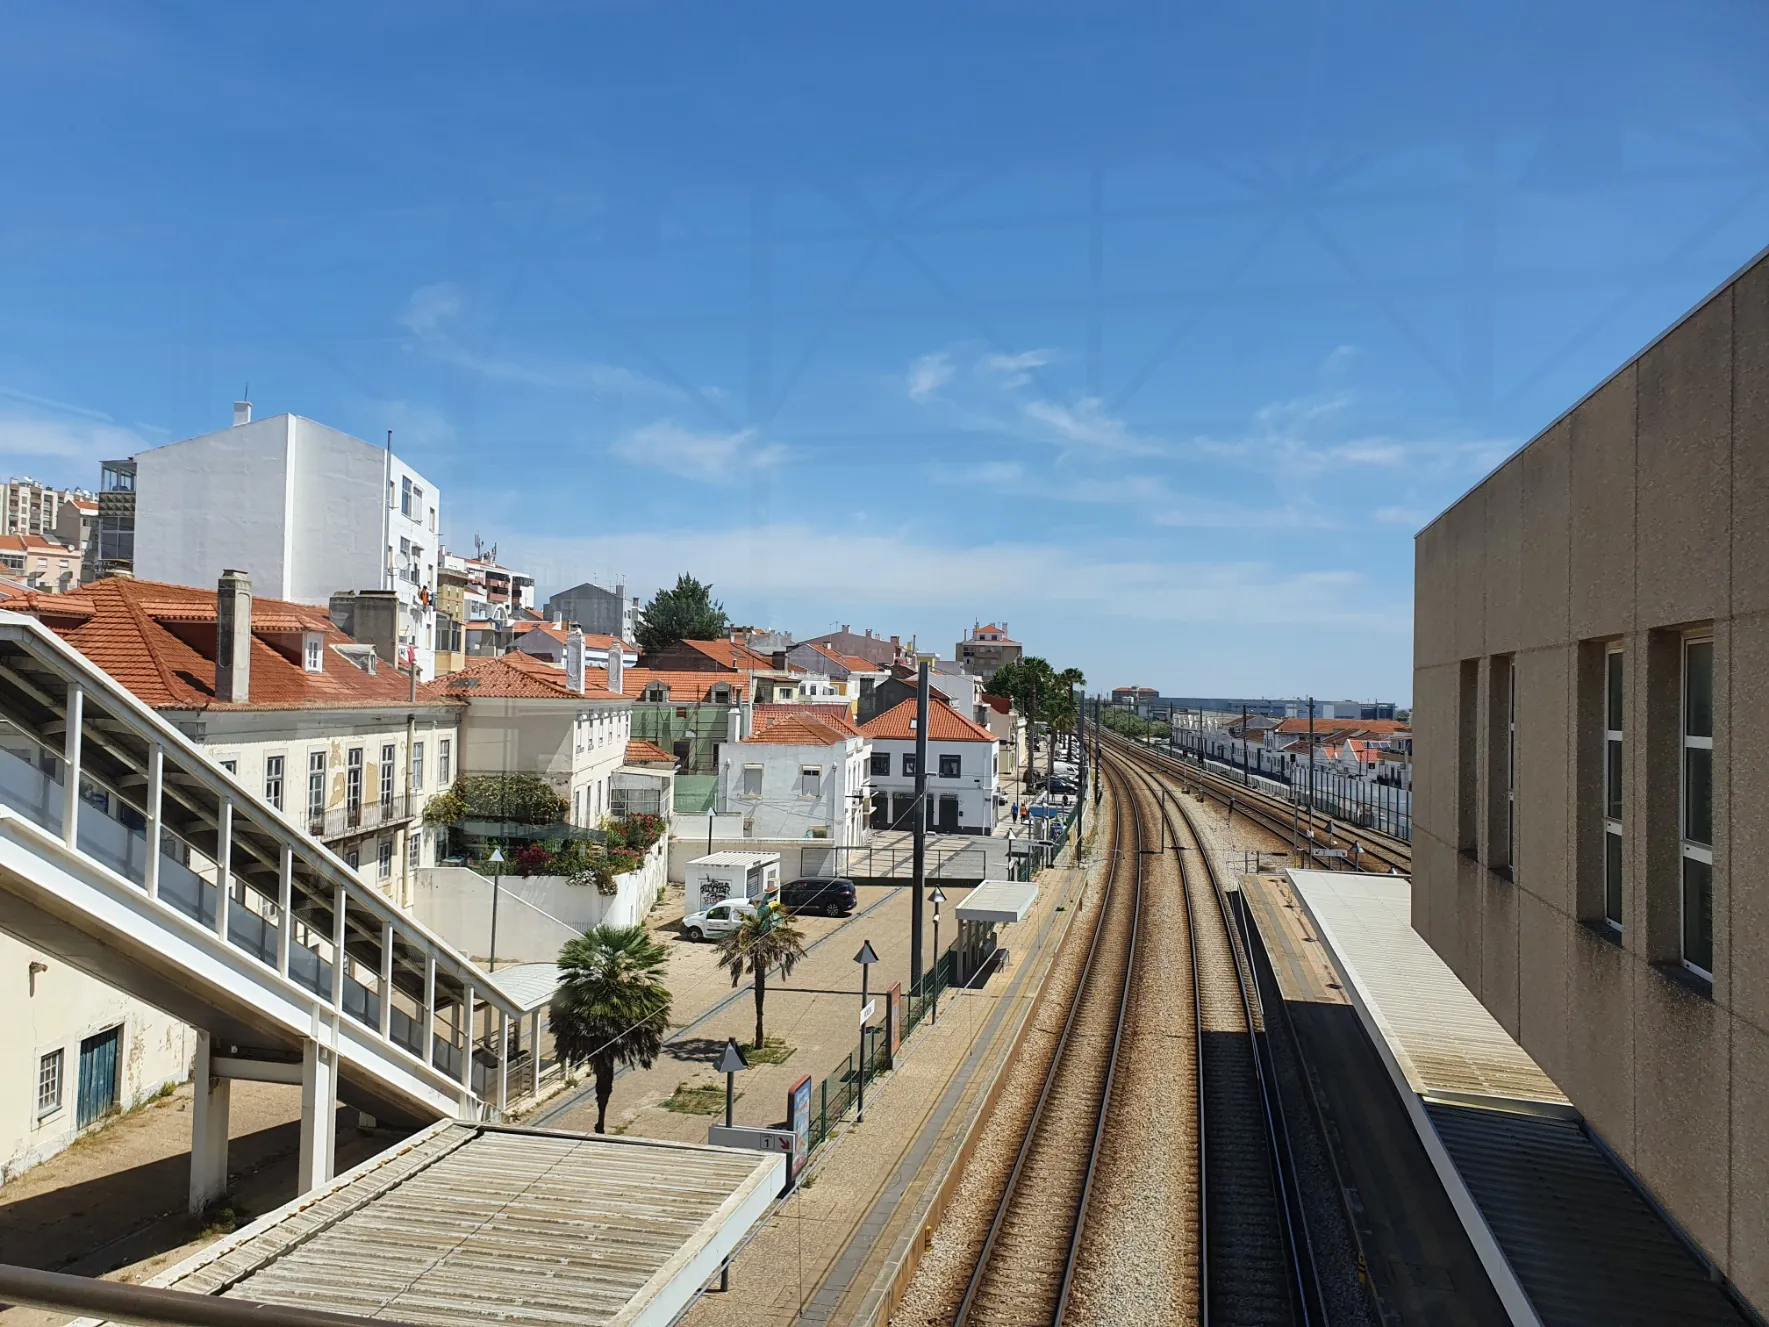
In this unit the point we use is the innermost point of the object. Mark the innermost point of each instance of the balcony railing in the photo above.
(341, 822)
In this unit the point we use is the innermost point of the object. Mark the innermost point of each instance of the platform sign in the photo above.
(798, 1118)
(867, 1010)
(894, 1017)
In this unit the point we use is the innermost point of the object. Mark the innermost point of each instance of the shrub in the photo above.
(523, 799)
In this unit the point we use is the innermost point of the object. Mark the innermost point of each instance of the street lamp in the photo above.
(865, 958)
(936, 898)
(497, 871)
(710, 812)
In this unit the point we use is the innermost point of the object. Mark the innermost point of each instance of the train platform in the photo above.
(1561, 1232)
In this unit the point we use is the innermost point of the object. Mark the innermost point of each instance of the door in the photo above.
(948, 821)
(881, 811)
(98, 1075)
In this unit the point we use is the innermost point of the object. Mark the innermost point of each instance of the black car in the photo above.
(830, 895)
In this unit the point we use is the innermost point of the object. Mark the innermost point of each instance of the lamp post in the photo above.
(710, 813)
(865, 958)
(937, 897)
(497, 871)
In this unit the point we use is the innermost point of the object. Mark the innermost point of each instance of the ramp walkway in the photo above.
(127, 853)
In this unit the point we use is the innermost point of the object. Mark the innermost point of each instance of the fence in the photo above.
(1380, 806)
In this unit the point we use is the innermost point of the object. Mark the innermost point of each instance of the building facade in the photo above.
(963, 770)
(598, 611)
(113, 546)
(984, 649)
(1591, 659)
(799, 776)
(30, 508)
(309, 510)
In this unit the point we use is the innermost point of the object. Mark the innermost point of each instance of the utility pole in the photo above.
(1246, 775)
(919, 828)
(1311, 760)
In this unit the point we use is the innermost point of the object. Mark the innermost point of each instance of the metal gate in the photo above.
(98, 1075)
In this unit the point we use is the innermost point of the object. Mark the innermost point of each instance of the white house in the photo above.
(526, 716)
(309, 510)
(798, 775)
(962, 770)
(1009, 727)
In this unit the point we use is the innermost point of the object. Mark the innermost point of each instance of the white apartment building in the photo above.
(963, 770)
(30, 508)
(799, 775)
(307, 509)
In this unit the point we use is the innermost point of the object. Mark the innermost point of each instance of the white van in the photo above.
(717, 921)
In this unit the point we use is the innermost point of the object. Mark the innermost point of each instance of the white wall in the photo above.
(974, 786)
(576, 744)
(67, 1006)
(781, 810)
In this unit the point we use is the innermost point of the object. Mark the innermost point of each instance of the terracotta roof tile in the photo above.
(685, 687)
(739, 658)
(833, 716)
(799, 730)
(640, 752)
(516, 676)
(945, 724)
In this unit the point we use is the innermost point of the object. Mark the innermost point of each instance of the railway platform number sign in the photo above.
(798, 1118)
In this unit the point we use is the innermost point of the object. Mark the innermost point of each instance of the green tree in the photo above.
(755, 947)
(688, 612)
(1031, 677)
(523, 799)
(612, 1007)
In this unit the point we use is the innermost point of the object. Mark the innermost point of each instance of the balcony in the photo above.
(347, 821)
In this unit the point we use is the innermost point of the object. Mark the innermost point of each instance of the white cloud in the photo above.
(64, 452)
(414, 426)
(927, 374)
(706, 457)
(1408, 516)
(430, 308)
(1014, 370)
(1088, 424)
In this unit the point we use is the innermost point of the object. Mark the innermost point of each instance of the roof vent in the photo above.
(242, 413)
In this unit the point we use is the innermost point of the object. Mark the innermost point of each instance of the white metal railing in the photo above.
(88, 764)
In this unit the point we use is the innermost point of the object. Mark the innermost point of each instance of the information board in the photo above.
(798, 1117)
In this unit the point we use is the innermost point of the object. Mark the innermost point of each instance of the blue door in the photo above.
(98, 1075)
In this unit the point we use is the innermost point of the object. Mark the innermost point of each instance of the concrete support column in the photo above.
(429, 1041)
(504, 1057)
(285, 906)
(319, 1115)
(156, 789)
(208, 1129)
(70, 754)
(339, 906)
(534, 1054)
(386, 1019)
(224, 867)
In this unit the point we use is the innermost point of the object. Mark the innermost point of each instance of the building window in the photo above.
(49, 1083)
(311, 657)
(908, 765)
(752, 780)
(413, 844)
(950, 766)
(405, 495)
(316, 785)
(384, 860)
(417, 767)
(810, 780)
(273, 781)
(1613, 691)
(442, 759)
(389, 758)
(353, 780)
(353, 859)
(1502, 765)
(881, 762)
(231, 766)
(1698, 805)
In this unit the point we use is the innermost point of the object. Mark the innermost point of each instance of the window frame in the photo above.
(747, 771)
(389, 762)
(879, 762)
(384, 860)
(316, 784)
(810, 781)
(56, 1061)
(1694, 850)
(417, 767)
(1614, 705)
(353, 775)
(909, 764)
(444, 753)
(957, 763)
(273, 780)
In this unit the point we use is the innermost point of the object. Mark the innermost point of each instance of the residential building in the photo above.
(1591, 654)
(30, 508)
(690, 715)
(308, 509)
(848, 675)
(490, 591)
(962, 770)
(984, 649)
(775, 679)
(547, 641)
(598, 611)
(451, 613)
(76, 525)
(562, 724)
(114, 548)
(763, 639)
(799, 775)
(1012, 749)
(42, 564)
(863, 645)
(901, 684)
(1131, 697)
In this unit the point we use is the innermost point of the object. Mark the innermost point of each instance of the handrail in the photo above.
(152, 1306)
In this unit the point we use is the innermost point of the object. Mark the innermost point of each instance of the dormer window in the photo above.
(657, 693)
(313, 657)
(721, 695)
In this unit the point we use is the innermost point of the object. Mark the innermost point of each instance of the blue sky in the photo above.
(1154, 333)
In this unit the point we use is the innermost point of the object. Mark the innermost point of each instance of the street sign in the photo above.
(798, 1116)
(867, 1010)
(778, 1142)
(1327, 853)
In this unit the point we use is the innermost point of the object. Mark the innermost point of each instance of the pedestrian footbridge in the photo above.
(127, 853)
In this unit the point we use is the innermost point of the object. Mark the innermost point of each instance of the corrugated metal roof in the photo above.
(998, 901)
(528, 985)
(733, 858)
(1443, 1038)
(1584, 1244)
(466, 1224)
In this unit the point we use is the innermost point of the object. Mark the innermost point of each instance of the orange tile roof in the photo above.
(799, 730)
(515, 676)
(640, 752)
(1000, 704)
(685, 687)
(833, 716)
(30, 543)
(945, 724)
(1374, 727)
(728, 653)
(157, 640)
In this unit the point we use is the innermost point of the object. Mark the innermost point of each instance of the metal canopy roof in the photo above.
(998, 901)
(464, 1224)
(732, 858)
(528, 986)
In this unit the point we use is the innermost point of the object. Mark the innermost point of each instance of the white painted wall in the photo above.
(974, 787)
(782, 810)
(575, 744)
(66, 1007)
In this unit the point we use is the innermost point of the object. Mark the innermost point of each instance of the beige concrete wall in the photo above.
(1640, 514)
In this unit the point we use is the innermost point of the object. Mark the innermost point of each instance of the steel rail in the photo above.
(1010, 1189)
(1304, 1287)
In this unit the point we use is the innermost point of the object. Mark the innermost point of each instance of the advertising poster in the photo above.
(894, 1016)
(798, 1114)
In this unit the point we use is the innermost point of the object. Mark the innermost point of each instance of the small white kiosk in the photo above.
(730, 875)
(991, 904)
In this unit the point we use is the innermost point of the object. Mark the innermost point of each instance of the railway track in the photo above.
(1025, 1271)
(1256, 1263)
(1367, 849)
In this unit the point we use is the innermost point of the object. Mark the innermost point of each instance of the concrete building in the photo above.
(113, 547)
(799, 776)
(42, 564)
(598, 611)
(863, 645)
(1591, 654)
(962, 770)
(76, 525)
(984, 649)
(308, 509)
(30, 508)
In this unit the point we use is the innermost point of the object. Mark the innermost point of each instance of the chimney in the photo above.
(844, 628)
(233, 637)
(616, 667)
(779, 658)
(242, 413)
(574, 661)
(558, 619)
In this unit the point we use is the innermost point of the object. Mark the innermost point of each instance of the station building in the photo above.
(1591, 690)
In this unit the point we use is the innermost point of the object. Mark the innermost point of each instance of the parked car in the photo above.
(830, 895)
(717, 921)
(1061, 785)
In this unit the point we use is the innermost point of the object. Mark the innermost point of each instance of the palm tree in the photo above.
(612, 1007)
(755, 947)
